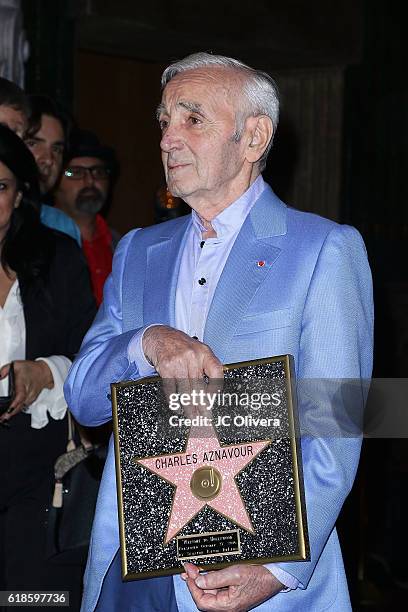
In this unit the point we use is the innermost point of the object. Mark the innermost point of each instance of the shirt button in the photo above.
(202, 281)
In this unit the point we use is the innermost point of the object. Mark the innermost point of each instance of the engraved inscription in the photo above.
(208, 545)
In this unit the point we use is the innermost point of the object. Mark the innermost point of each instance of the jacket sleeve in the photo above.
(103, 357)
(335, 363)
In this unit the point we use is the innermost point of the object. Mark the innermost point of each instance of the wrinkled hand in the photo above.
(181, 361)
(237, 588)
(31, 377)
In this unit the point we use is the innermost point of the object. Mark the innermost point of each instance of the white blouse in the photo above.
(12, 348)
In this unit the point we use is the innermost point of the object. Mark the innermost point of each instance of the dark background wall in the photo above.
(117, 97)
(104, 58)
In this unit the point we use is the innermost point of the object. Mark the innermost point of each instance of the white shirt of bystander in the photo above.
(12, 348)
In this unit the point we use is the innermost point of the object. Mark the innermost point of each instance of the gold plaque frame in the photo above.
(122, 410)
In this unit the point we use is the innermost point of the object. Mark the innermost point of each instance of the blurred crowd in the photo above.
(56, 182)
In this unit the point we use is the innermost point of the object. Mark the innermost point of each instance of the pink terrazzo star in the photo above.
(203, 449)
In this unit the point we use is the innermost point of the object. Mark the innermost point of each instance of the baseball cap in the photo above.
(84, 143)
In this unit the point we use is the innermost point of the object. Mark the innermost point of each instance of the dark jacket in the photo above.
(59, 314)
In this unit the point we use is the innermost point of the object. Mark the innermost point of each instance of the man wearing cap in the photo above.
(82, 192)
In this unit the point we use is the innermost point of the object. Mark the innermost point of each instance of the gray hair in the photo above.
(259, 94)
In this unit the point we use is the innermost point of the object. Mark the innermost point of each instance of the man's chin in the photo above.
(44, 188)
(89, 207)
(177, 190)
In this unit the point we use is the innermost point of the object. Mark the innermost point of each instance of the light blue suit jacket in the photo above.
(312, 299)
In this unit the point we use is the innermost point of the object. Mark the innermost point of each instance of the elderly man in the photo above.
(242, 277)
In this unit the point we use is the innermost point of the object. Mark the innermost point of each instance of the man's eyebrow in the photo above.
(160, 109)
(193, 107)
(36, 138)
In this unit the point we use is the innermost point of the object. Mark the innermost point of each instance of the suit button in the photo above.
(202, 281)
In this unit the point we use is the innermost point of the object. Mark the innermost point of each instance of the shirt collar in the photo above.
(231, 218)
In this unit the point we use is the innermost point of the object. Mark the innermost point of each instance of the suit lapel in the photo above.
(251, 259)
(163, 263)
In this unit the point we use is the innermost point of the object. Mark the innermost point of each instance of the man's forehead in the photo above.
(86, 162)
(50, 128)
(195, 89)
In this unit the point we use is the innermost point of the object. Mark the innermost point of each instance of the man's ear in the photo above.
(259, 131)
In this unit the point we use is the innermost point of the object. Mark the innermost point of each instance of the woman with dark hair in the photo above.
(46, 306)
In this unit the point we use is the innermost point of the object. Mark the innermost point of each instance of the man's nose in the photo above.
(171, 139)
(46, 156)
(88, 178)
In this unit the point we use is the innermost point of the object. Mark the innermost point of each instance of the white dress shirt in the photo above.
(12, 348)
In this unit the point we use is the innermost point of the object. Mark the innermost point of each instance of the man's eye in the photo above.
(3, 186)
(195, 120)
(30, 143)
(163, 124)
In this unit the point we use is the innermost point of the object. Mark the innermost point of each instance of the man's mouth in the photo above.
(89, 193)
(176, 165)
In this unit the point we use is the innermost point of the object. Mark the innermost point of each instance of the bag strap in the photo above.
(57, 498)
(71, 428)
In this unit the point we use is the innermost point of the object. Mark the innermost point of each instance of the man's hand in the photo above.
(237, 588)
(31, 377)
(180, 360)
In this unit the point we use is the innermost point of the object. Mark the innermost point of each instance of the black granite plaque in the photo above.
(212, 475)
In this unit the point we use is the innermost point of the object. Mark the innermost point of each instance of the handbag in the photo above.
(69, 517)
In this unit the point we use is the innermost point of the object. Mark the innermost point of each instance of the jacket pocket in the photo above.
(273, 319)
